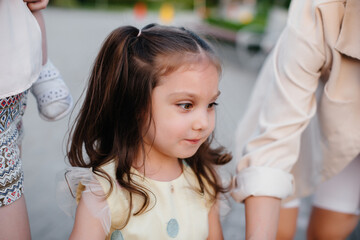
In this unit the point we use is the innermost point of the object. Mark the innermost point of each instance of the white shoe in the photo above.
(53, 97)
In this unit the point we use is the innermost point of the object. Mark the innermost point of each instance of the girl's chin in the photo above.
(188, 155)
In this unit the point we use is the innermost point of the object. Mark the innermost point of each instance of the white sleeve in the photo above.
(282, 104)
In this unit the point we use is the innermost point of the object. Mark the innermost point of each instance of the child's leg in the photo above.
(40, 19)
(337, 205)
(14, 221)
(52, 95)
(287, 220)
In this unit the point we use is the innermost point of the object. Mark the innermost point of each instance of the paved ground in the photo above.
(74, 38)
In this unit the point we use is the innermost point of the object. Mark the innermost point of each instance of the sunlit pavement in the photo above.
(74, 38)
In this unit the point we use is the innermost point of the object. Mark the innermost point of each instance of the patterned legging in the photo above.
(11, 175)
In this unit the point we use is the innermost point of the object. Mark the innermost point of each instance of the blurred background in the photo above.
(243, 32)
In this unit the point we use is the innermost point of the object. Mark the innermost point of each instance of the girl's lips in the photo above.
(193, 141)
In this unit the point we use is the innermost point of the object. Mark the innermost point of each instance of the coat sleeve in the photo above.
(282, 104)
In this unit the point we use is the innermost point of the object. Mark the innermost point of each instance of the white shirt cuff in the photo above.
(262, 181)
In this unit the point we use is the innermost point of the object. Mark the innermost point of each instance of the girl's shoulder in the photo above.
(205, 194)
(110, 170)
(117, 199)
(193, 177)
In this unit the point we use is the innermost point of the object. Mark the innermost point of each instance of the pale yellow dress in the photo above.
(176, 210)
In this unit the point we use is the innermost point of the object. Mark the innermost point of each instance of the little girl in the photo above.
(141, 145)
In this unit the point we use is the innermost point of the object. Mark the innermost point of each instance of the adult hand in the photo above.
(35, 5)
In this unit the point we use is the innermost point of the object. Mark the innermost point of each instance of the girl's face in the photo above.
(183, 107)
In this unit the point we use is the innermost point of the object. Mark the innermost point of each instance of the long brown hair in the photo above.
(117, 104)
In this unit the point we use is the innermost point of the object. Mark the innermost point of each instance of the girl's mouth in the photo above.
(193, 141)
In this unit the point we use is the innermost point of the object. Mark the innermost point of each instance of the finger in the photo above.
(35, 6)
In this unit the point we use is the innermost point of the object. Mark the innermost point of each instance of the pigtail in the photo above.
(109, 124)
(91, 129)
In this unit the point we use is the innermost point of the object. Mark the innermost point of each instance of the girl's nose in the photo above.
(201, 120)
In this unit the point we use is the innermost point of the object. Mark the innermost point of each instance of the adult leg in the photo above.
(337, 205)
(14, 221)
(330, 225)
(287, 220)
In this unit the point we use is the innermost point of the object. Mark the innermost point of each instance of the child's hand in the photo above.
(35, 5)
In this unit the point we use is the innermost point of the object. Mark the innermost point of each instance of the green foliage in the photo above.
(64, 3)
(118, 4)
(224, 23)
(212, 3)
(257, 24)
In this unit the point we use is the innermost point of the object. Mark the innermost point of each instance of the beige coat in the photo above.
(310, 83)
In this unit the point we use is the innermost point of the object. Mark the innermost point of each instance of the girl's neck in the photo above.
(159, 169)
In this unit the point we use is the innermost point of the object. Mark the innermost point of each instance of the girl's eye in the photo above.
(212, 105)
(186, 106)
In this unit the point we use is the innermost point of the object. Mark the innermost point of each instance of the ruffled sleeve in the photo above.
(76, 183)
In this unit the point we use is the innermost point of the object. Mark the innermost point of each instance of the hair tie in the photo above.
(139, 33)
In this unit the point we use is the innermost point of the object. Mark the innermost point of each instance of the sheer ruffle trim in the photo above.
(76, 183)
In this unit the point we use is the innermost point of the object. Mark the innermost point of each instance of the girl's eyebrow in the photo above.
(191, 95)
(216, 96)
